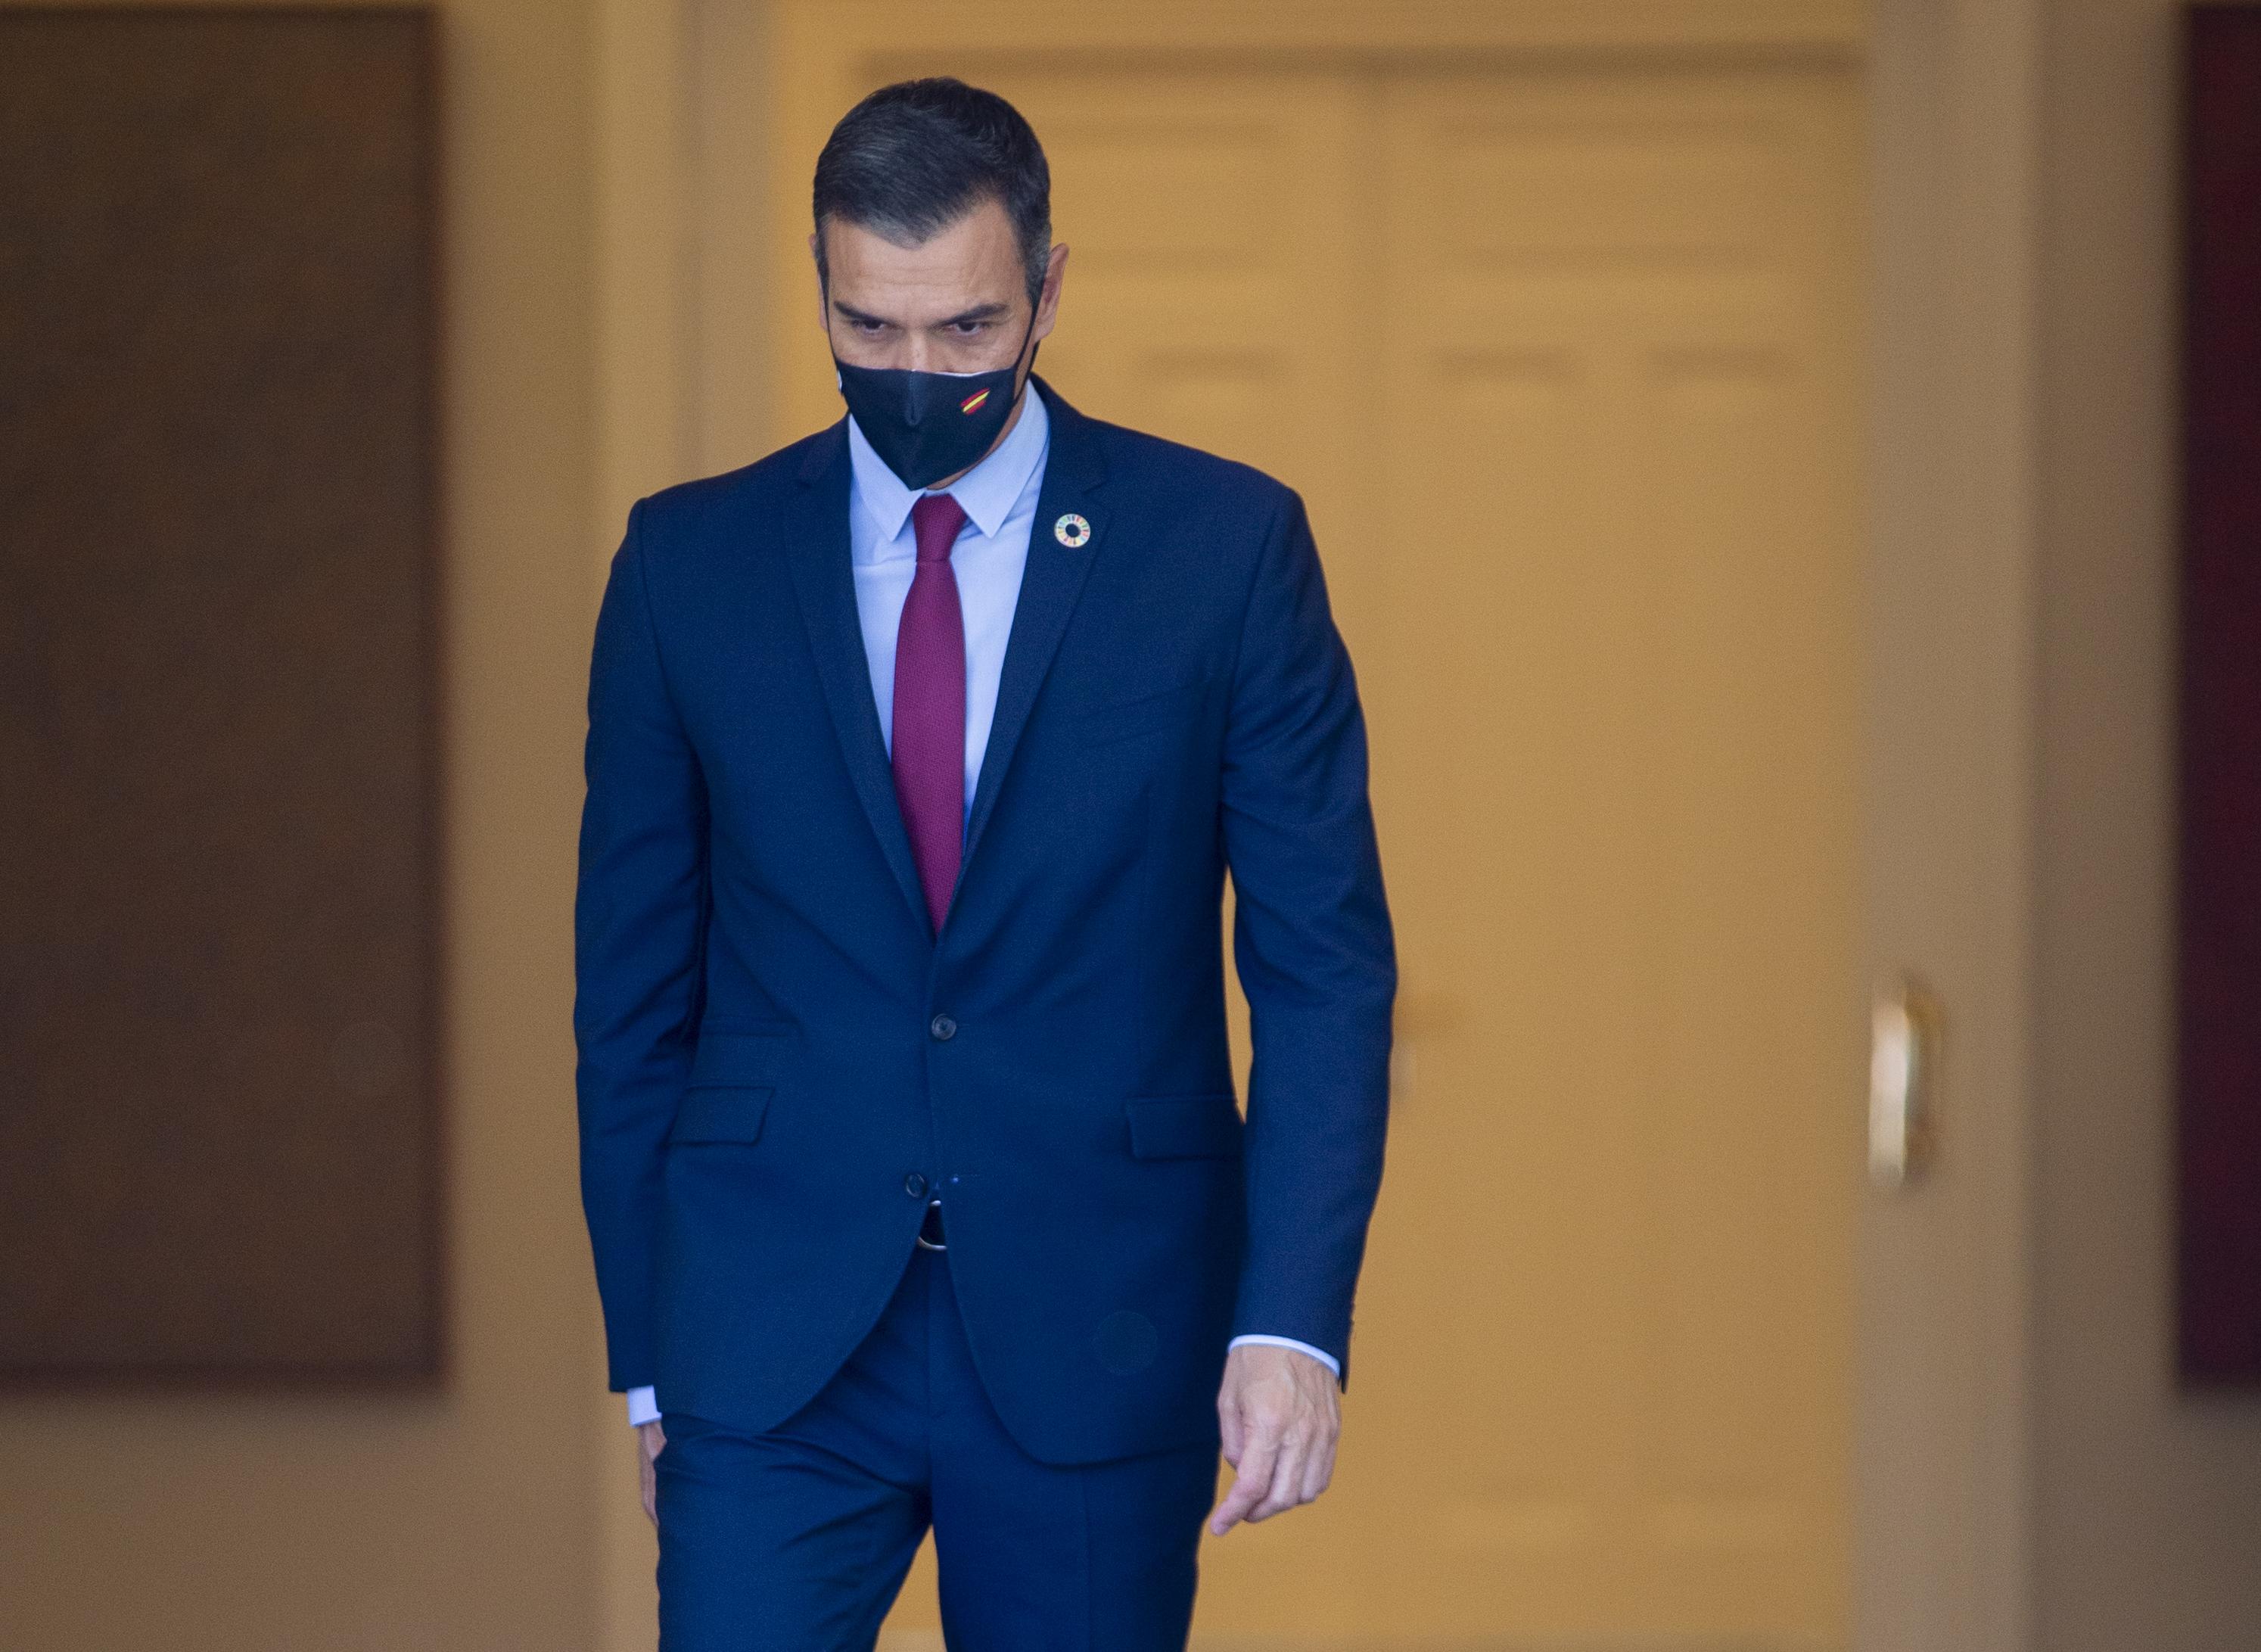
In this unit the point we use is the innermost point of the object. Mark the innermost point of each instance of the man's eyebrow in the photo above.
(979, 312)
(989, 312)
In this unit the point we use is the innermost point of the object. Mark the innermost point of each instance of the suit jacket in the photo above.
(780, 1062)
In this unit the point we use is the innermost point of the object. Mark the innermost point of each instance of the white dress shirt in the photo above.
(999, 497)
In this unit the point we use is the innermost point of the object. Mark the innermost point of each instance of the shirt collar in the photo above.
(987, 493)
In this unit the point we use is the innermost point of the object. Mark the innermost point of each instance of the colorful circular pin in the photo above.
(1071, 531)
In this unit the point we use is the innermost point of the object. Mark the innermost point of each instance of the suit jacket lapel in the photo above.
(825, 580)
(1051, 582)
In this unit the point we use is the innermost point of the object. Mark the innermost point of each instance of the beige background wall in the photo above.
(468, 1517)
(2148, 1503)
(459, 1519)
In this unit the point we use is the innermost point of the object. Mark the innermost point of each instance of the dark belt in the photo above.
(929, 1233)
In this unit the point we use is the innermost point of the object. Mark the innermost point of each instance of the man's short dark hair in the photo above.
(914, 157)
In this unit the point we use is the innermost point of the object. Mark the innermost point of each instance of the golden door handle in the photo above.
(1905, 1030)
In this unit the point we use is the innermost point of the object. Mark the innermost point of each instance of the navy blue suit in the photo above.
(781, 1063)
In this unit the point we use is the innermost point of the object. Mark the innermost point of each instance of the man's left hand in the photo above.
(1281, 1411)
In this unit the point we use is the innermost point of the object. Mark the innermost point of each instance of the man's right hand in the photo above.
(650, 1441)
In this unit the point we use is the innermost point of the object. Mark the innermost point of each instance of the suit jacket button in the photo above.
(914, 1184)
(942, 1026)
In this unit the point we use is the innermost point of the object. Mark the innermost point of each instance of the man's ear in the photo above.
(823, 304)
(1048, 298)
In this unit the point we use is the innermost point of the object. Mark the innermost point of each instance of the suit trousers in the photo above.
(797, 1539)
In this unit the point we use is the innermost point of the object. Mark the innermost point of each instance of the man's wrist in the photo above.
(1264, 1340)
(644, 1405)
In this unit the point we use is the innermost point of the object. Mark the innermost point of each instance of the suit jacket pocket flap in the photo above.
(737, 1057)
(720, 1113)
(1183, 1127)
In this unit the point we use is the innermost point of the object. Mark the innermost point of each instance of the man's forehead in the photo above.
(972, 262)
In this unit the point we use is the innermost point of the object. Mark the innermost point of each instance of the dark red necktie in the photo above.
(929, 734)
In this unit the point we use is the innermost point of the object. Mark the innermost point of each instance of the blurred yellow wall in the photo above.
(490, 1514)
(460, 1518)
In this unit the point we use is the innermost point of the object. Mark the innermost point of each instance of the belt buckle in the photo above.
(933, 1219)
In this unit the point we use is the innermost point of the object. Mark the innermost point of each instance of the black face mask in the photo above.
(928, 425)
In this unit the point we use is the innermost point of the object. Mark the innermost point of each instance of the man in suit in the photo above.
(917, 754)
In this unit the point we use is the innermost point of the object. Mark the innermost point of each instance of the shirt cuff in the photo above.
(1320, 1355)
(644, 1405)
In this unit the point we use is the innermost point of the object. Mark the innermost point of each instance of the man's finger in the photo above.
(1281, 1494)
(1233, 1428)
(1251, 1481)
(1318, 1468)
